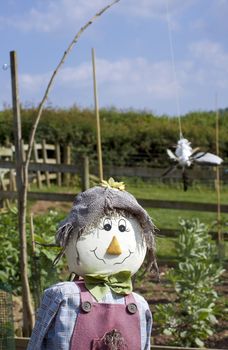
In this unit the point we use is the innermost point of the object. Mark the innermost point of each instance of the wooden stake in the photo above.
(99, 150)
(28, 317)
(218, 176)
(35, 268)
(85, 174)
(32, 234)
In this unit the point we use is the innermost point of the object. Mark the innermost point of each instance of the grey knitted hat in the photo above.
(90, 206)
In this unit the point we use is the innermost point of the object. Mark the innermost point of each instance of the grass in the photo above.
(196, 193)
(165, 247)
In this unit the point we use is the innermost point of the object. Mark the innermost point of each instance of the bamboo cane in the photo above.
(35, 267)
(99, 150)
(221, 247)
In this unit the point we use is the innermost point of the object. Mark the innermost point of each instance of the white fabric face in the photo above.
(88, 254)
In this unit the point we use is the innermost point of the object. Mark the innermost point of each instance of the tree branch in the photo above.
(66, 53)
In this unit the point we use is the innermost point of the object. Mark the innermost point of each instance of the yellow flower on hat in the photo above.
(111, 183)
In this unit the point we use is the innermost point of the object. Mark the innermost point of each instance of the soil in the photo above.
(41, 207)
(161, 293)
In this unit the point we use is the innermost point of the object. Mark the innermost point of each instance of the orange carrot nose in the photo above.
(114, 247)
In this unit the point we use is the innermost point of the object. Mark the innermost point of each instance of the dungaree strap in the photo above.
(129, 298)
(130, 303)
(85, 294)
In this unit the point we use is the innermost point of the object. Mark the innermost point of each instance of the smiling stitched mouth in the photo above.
(117, 263)
(94, 252)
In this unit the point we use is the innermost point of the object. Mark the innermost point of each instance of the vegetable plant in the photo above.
(42, 273)
(191, 319)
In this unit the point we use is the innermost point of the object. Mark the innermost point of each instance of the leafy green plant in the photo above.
(45, 229)
(9, 252)
(191, 319)
(42, 273)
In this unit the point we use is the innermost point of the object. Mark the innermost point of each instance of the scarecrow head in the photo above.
(106, 232)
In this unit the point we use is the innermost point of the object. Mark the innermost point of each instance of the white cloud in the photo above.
(198, 24)
(54, 15)
(211, 60)
(154, 8)
(125, 77)
(32, 84)
(210, 54)
(137, 82)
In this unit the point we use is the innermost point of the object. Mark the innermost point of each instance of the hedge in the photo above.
(128, 137)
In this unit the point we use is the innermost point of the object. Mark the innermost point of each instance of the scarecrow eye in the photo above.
(122, 225)
(107, 224)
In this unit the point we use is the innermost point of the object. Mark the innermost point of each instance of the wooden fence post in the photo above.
(58, 161)
(44, 152)
(67, 160)
(12, 180)
(85, 174)
(36, 158)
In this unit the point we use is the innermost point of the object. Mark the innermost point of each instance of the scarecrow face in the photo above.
(116, 244)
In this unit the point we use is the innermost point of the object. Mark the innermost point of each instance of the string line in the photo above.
(173, 67)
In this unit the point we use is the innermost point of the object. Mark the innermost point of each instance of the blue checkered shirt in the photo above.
(58, 313)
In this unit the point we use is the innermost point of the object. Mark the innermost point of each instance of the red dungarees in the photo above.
(99, 324)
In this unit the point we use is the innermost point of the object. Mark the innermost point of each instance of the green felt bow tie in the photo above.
(99, 285)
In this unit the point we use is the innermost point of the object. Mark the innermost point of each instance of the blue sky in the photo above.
(134, 66)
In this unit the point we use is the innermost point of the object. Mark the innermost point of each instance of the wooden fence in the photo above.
(43, 153)
(62, 155)
(206, 174)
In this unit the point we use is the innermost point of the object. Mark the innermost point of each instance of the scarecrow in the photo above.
(185, 157)
(105, 239)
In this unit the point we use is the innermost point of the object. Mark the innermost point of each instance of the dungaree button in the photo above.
(132, 308)
(86, 306)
